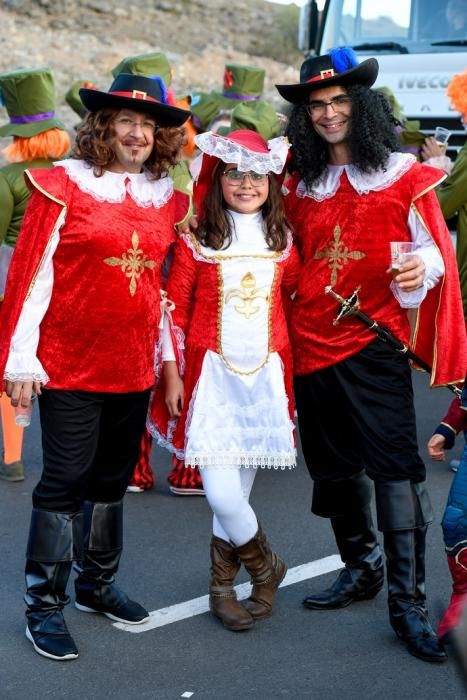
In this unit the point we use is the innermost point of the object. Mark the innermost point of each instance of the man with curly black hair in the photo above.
(351, 193)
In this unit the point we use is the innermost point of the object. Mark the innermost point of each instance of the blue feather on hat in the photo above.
(2, 101)
(343, 58)
(161, 84)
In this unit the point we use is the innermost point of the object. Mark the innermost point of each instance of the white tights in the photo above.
(227, 490)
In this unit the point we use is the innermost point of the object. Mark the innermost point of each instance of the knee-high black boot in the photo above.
(55, 539)
(95, 587)
(347, 502)
(404, 512)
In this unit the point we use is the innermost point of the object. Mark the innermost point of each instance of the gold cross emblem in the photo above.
(338, 254)
(132, 262)
(247, 294)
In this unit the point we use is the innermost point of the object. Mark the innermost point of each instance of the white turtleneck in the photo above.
(247, 239)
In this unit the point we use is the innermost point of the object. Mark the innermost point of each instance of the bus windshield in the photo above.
(396, 26)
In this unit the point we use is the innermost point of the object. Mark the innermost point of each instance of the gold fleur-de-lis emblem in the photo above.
(132, 263)
(247, 294)
(338, 254)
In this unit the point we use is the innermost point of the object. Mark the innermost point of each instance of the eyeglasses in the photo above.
(236, 177)
(338, 103)
(147, 126)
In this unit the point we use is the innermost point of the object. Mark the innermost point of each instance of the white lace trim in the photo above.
(180, 341)
(363, 183)
(196, 252)
(161, 439)
(229, 152)
(41, 377)
(283, 461)
(165, 441)
(189, 413)
(24, 367)
(286, 252)
(441, 162)
(113, 187)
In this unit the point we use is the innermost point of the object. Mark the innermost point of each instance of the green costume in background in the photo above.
(14, 195)
(452, 196)
(39, 139)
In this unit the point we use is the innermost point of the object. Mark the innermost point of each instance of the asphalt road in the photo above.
(297, 653)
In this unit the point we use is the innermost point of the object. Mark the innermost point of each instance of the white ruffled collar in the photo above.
(113, 187)
(398, 164)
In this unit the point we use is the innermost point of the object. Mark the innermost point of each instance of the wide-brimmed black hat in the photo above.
(138, 93)
(339, 67)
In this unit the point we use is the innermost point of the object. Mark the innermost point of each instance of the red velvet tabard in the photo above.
(344, 242)
(100, 330)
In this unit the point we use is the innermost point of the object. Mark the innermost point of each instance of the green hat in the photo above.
(74, 100)
(396, 109)
(146, 64)
(241, 84)
(29, 98)
(258, 116)
(411, 141)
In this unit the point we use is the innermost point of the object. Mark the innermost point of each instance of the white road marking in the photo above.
(198, 606)
(186, 695)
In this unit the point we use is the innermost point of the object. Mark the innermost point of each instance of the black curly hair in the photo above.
(372, 136)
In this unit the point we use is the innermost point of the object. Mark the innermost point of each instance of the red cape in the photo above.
(439, 336)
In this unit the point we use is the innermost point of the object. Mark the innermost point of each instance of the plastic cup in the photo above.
(441, 136)
(400, 252)
(23, 415)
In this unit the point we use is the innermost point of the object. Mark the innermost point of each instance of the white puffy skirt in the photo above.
(239, 420)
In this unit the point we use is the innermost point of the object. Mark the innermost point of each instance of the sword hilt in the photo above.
(349, 305)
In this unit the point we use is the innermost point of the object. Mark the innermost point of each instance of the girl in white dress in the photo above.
(227, 362)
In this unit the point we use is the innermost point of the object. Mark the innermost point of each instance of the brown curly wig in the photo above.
(94, 138)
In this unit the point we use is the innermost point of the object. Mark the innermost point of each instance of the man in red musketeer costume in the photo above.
(80, 319)
(350, 194)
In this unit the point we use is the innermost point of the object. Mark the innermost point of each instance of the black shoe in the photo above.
(110, 601)
(414, 628)
(49, 635)
(351, 585)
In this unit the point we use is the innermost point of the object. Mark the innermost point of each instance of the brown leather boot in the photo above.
(223, 602)
(266, 570)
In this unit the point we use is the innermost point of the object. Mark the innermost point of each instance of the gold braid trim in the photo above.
(57, 225)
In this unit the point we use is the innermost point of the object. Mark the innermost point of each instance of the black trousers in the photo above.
(90, 443)
(359, 414)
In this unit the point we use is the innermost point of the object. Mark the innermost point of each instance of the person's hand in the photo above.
(435, 447)
(21, 393)
(190, 224)
(174, 390)
(411, 274)
(431, 149)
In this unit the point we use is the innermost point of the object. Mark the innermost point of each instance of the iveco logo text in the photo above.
(435, 82)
